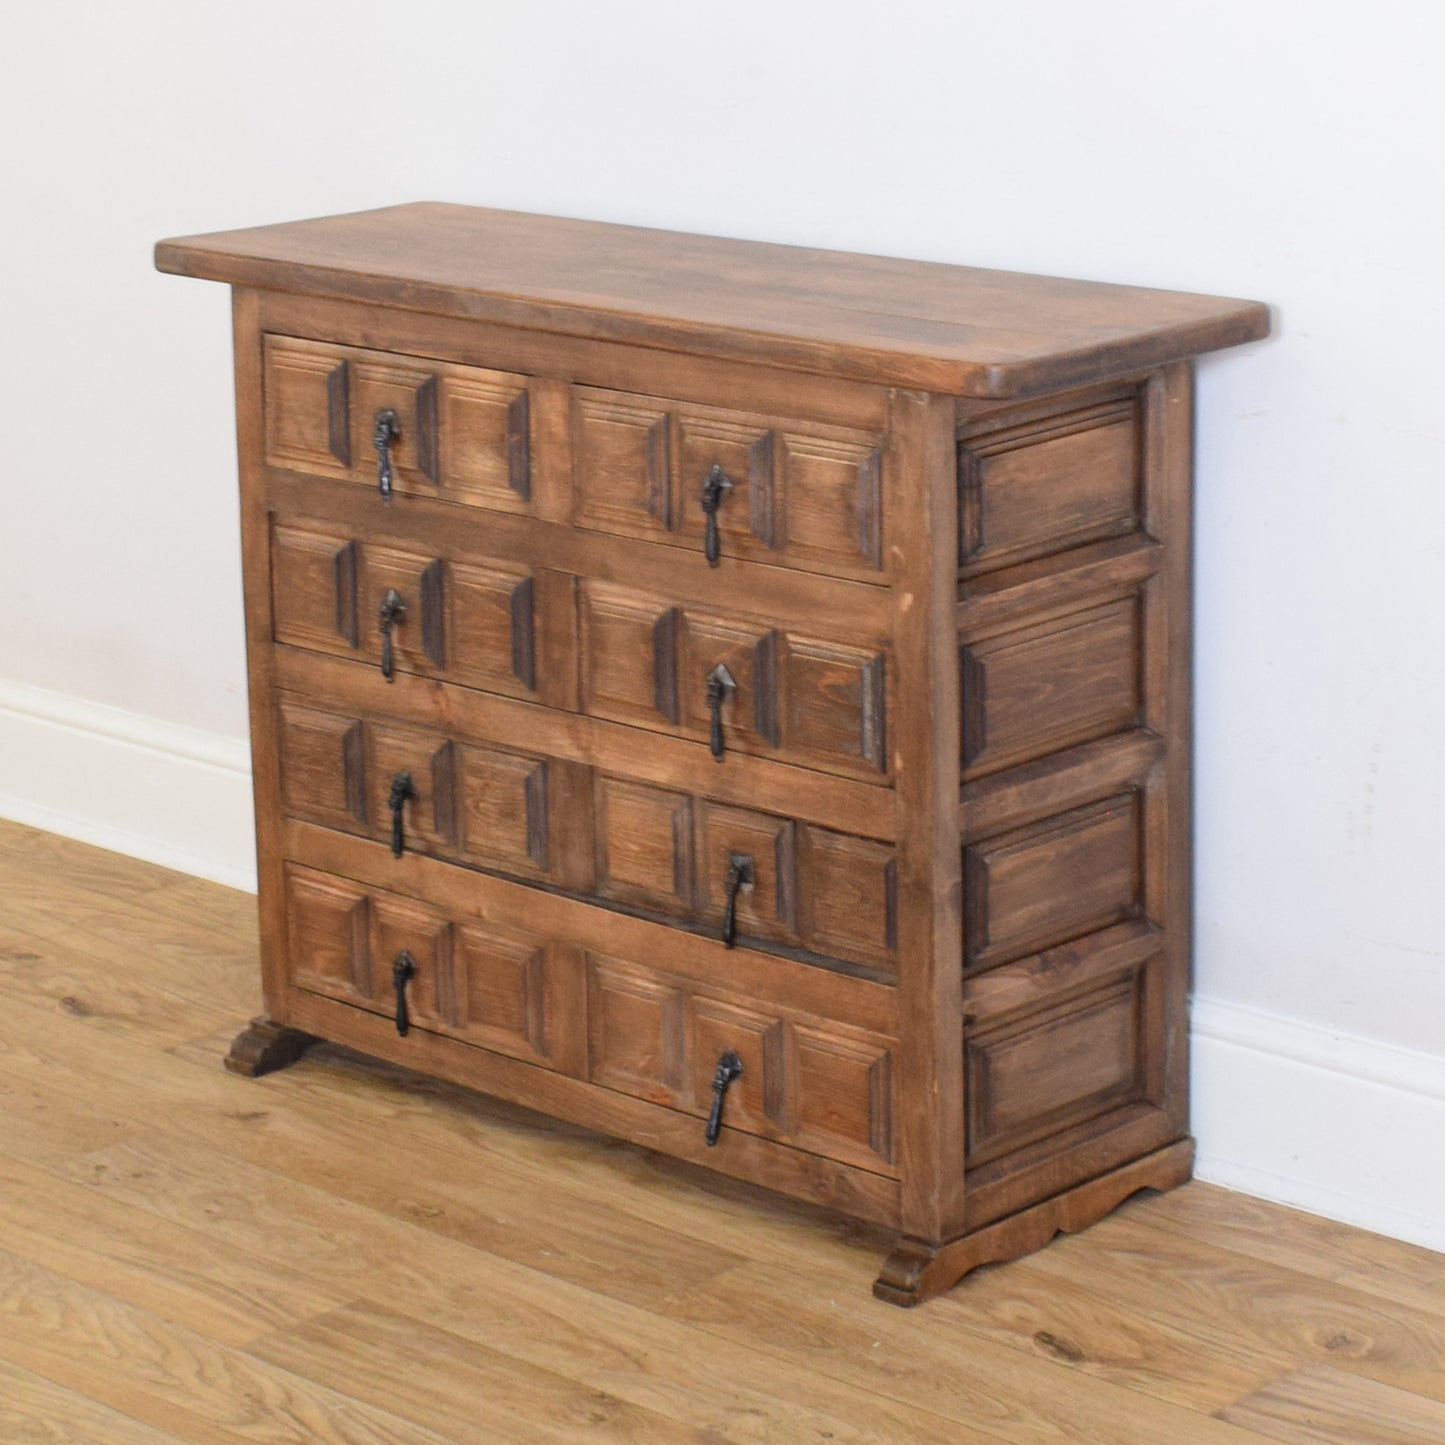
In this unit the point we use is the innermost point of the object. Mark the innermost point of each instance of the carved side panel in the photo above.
(1051, 684)
(1053, 880)
(1057, 479)
(1037, 1073)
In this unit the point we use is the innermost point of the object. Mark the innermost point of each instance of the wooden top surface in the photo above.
(953, 329)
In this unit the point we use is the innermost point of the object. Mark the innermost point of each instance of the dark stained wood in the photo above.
(914, 1273)
(951, 329)
(262, 1047)
(950, 803)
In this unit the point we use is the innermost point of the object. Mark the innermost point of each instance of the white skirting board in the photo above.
(171, 795)
(1331, 1123)
(1341, 1126)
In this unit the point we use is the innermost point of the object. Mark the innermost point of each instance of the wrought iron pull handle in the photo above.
(393, 612)
(403, 790)
(729, 1067)
(720, 687)
(402, 972)
(386, 431)
(740, 875)
(715, 487)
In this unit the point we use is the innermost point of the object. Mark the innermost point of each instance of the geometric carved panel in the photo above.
(1054, 1067)
(1049, 685)
(1052, 880)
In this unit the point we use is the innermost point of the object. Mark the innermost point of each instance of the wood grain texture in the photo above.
(193, 1257)
(911, 323)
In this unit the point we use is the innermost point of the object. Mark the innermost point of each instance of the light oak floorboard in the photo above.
(347, 1252)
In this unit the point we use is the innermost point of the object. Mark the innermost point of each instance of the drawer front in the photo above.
(648, 661)
(645, 848)
(806, 1081)
(476, 621)
(789, 492)
(503, 991)
(458, 433)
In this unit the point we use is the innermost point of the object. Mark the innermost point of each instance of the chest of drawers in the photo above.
(730, 696)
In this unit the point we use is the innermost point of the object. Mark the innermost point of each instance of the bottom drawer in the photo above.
(807, 1081)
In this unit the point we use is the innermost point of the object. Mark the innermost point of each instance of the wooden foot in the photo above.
(262, 1047)
(917, 1271)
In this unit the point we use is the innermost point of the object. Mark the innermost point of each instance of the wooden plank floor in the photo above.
(341, 1252)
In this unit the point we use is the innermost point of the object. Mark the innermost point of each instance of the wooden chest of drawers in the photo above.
(733, 697)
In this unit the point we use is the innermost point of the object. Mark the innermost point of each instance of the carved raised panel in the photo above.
(852, 890)
(504, 813)
(306, 409)
(392, 386)
(1049, 1069)
(637, 1032)
(313, 588)
(645, 846)
(397, 924)
(501, 992)
(835, 702)
(494, 627)
(1053, 880)
(1054, 481)
(743, 649)
(1043, 687)
(756, 1100)
(419, 640)
(622, 471)
(323, 766)
(768, 908)
(844, 1099)
(746, 450)
(834, 502)
(486, 442)
(629, 656)
(326, 935)
(427, 816)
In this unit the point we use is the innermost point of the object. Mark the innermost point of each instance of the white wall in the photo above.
(1285, 151)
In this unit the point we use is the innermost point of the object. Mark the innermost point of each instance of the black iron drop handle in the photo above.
(402, 972)
(720, 686)
(393, 611)
(715, 487)
(403, 790)
(740, 875)
(729, 1067)
(386, 431)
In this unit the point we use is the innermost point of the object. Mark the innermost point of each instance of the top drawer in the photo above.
(719, 482)
(458, 433)
(793, 493)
